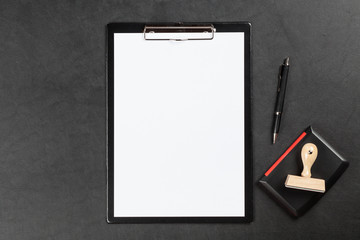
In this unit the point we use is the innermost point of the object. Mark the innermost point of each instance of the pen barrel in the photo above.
(277, 120)
(282, 89)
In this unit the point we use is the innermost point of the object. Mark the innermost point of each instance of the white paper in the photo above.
(179, 127)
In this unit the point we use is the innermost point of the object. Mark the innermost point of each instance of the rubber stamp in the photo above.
(305, 182)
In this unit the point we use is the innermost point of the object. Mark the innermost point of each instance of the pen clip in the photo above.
(279, 78)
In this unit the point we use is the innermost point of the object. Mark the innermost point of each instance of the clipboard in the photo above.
(178, 123)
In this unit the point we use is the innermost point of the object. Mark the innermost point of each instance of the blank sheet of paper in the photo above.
(179, 127)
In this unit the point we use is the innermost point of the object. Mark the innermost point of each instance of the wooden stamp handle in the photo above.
(309, 154)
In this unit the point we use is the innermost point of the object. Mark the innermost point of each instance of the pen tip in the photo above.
(286, 61)
(274, 137)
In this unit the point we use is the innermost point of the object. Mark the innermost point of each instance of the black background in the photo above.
(52, 113)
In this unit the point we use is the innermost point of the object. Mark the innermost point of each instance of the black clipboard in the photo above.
(204, 32)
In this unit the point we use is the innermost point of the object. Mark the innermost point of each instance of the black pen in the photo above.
(283, 76)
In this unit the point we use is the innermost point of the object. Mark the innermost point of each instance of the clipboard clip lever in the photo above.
(179, 33)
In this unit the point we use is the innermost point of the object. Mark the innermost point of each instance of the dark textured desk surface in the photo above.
(52, 113)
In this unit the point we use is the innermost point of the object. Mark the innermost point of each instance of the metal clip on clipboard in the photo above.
(179, 33)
